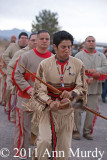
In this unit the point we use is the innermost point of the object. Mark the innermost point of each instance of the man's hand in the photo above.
(92, 71)
(30, 91)
(64, 103)
(54, 106)
(90, 80)
(65, 94)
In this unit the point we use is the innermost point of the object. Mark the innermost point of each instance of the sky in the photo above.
(79, 17)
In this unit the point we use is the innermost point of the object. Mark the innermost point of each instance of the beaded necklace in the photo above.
(62, 72)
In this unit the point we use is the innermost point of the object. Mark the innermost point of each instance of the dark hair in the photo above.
(32, 34)
(87, 37)
(23, 34)
(60, 36)
(42, 31)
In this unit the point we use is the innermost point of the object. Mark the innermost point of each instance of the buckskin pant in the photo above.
(63, 121)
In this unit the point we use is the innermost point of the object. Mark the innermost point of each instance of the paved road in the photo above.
(81, 150)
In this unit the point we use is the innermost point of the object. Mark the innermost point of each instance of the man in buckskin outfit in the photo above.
(65, 73)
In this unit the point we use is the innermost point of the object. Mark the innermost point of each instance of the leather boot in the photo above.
(76, 135)
(88, 136)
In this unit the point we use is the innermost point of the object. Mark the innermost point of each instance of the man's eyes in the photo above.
(44, 38)
(64, 47)
(91, 41)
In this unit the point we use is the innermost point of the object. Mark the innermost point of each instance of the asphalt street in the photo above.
(81, 149)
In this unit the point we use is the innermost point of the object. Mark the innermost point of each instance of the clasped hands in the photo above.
(95, 74)
(64, 103)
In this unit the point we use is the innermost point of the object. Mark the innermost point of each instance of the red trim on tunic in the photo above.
(53, 95)
(45, 55)
(23, 95)
(13, 73)
(61, 63)
(27, 77)
(62, 89)
(28, 88)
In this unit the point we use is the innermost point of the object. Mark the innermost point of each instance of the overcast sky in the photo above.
(79, 17)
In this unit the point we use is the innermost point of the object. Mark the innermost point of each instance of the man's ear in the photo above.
(54, 47)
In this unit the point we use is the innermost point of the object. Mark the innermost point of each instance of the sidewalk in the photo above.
(81, 150)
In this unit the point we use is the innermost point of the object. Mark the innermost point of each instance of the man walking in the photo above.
(94, 63)
(66, 73)
(25, 82)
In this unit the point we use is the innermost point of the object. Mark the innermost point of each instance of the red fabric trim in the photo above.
(94, 121)
(62, 89)
(62, 67)
(29, 76)
(53, 95)
(45, 55)
(23, 94)
(4, 91)
(53, 135)
(28, 88)
(13, 73)
(101, 78)
(9, 107)
(88, 52)
(61, 63)
(2, 72)
(20, 131)
(19, 140)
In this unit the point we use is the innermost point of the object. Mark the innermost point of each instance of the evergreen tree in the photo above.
(46, 20)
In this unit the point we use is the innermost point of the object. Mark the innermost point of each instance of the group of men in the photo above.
(53, 112)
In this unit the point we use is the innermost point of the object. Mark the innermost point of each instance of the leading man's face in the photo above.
(63, 50)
